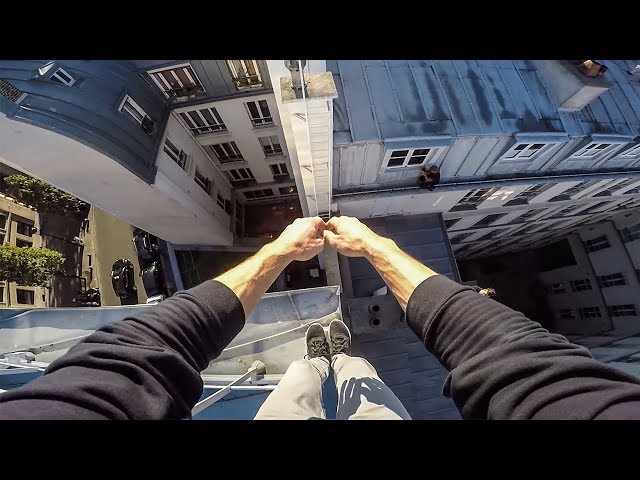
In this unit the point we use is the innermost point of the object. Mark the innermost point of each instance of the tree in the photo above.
(43, 197)
(28, 266)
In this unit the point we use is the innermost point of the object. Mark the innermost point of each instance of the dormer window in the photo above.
(177, 81)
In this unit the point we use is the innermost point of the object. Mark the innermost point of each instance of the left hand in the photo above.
(301, 240)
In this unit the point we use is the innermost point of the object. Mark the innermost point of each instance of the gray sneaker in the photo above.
(340, 337)
(316, 341)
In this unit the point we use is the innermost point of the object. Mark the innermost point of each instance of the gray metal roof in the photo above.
(380, 99)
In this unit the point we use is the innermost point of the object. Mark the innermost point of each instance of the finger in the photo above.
(318, 225)
(332, 238)
(332, 224)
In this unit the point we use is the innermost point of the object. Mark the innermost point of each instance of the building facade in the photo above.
(17, 224)
(598, 288)
(528, 151)
(176, 148)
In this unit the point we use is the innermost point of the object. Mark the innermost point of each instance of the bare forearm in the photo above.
(401, 272)
(251, 279)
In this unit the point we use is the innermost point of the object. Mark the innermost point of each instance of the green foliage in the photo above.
(28, 266)
(43, 197)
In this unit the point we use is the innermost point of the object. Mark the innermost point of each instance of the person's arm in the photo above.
(503, 365)
(148, 366)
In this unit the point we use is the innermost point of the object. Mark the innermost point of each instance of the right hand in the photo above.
(350, 236)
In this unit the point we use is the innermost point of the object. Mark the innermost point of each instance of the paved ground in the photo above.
(108, 240)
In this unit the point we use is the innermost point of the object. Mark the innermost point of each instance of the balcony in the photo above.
(184, 93)
(247, 81)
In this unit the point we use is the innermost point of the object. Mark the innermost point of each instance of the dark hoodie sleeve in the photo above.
(143, 367)
(504, 366)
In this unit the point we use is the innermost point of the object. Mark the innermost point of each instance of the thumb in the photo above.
(331, 237)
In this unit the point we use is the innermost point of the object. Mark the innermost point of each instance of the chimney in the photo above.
(573, 84)
(294, 67)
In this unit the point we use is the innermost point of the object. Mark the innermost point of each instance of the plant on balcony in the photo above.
(187, 91)
(45, 198)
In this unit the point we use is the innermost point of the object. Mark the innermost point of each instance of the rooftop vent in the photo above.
(295, 66)
(573, 84)
(10, 92)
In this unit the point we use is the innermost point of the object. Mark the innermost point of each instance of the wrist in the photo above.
(379, 247)
(276, 251)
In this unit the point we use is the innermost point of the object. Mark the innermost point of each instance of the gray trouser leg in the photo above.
(298, 395)
(361, 393)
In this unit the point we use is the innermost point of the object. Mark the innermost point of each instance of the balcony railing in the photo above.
(208, 129)
(247, 81)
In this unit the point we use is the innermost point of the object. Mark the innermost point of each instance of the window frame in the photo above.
(180, 158)
(280, 167)
(260, 121)
(253, 194)
(590, 245)
(558, 288)
(60, 80)
(615, 310)
(155, 73)
(128, 103)
(207, 183)
(241, 171)
(635, 155)
(227, 158)
(32, 294)
(544, 147)
(630, 233)
(567, 313)
(235, 77)
(431, 155)
(288, 190)
(581, 285)
(197, 130)
(582, 153)
(590, 312)
(274, 150)
(612, 280)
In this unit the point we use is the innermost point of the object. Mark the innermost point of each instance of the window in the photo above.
(227, 152)
(557, 288)
(291, 190)
(474, 198)
(631, 233)
(524, 151)
(25, 297)
(622, 185)
(488, 236)
(525, 216)
(451, 222)
(136, 112)
(259, 113)
(61, 76)
(258, 194)
(489, 219)
(567, 211)
(227, 206)
(23, 243)
(590, 312)
(176, 154)
(622, 310)
(202, 181)
(271, 145)
(580, 285)
(579, 187)
(245, 73)
(632, 152)
(612, 280)
(240, 174)
(3, 218)
(533, 191)
(220, 201)
(24, 228)
(177, 81)
(415, 157)
(597, 243)
(279, 169)
(2, 300)
(567, 313)
(594, 150)
(203, 121)
(455, 239)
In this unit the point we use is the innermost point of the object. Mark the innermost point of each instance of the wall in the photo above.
(13, 213)
(97, 179)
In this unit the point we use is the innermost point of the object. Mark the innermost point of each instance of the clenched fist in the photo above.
(301, 240)
(351, 237)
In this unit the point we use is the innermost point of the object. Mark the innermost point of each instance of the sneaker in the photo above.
(316, 340)
(340, 337)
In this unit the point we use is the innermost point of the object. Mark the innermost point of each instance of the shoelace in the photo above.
(340, 344)
(318, 346)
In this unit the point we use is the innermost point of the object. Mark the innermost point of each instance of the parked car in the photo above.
(146, 246)
(122, 278)
(153, 280)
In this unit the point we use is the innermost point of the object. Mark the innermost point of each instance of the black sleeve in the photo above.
(504, 366)
(143, 367)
